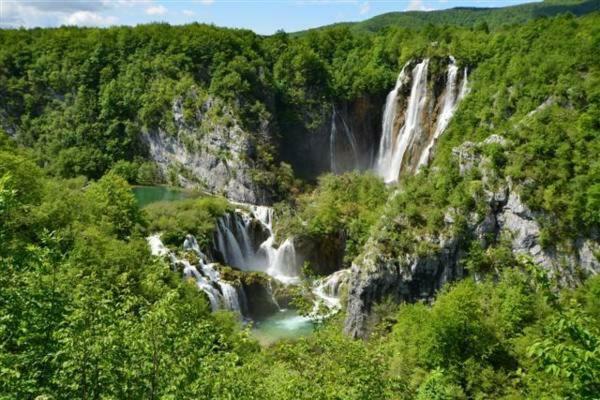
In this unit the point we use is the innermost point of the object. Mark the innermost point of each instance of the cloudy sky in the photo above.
(262, 16)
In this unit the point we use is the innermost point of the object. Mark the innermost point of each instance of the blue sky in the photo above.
(262, 16)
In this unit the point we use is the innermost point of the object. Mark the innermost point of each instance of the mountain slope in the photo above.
(471, 16)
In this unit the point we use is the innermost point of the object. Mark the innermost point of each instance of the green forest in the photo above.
(86, 311)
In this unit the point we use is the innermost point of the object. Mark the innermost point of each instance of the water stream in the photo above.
(395, 145)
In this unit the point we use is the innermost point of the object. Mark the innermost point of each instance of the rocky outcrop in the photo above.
(209, 149)
(260, 300)
(375, 277)
(413, 276)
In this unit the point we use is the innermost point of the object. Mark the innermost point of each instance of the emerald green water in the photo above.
(286, 324)
(151, 194)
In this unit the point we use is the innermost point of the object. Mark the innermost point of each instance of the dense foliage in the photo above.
(347, 205)
(478, 17)
(195, 216)
(87, 312)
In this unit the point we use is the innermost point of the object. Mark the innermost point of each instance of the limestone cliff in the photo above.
(209, 148)
(417, 276)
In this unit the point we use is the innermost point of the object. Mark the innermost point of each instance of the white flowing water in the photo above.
(233, 239)
(384, 157)
(449, 102)
(332, 144)
(234, 242)
(221, 294)
(328, 291)
(393, 146)
(412, 123)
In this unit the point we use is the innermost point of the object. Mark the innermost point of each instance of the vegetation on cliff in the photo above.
(86, 311)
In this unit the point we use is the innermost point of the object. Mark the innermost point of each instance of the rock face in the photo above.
(413, 277)
(375, 277)
(260, 300)
(309, 149)
(324, 256)
(214, 153)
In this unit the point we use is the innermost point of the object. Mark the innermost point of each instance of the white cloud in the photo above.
(207, 2)
(417, 5)
(364, 8)
(30, 13)
(156, 10)
(188, 13)
(89, 18)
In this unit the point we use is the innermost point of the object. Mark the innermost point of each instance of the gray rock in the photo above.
(412, 277)
(218, 157)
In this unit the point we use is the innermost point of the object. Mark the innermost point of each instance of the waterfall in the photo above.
(412, 122)
(234, 242)
(221, 294)
(449, 102)
(384, 155)
(396, 146)
(230, 297)
(351, 139)
(157, 248)
(333, 142)
(327, 293)
(283, 264)
(332, 136)
(464, 89)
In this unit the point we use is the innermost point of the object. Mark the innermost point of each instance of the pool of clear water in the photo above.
(285, 324)
(151, 194)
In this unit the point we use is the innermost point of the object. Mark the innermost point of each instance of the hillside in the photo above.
(471, 16)
(400, 214)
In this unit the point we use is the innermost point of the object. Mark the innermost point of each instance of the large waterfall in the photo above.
(451, 97)
(413, 142)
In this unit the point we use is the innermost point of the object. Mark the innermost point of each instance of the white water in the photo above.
(393, 146)
(332, 137)
(233, 238)
(234, 242)
(279, 262)
(412, 123)
(221, 295)
(449, 102)
(328, 290)
(386, 148)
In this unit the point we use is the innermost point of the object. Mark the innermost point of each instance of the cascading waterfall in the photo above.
(332, 137)
(328, 289)
(395, 145)
(221, 294)
(234, 242)
(450, 100)
(386, 147)
(412, 123)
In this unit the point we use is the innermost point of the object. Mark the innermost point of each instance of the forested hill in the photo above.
(493, 18)
(472, 279)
